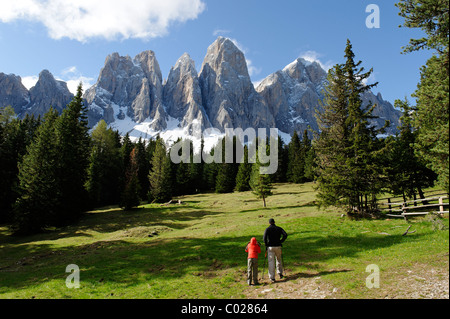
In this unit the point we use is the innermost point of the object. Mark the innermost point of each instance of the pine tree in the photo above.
(226, 174)
(348, 148)
(431, 118)
(296, 163)
(15, 136)
(160, 174)
(260, 184)
(431, 115)
(104, 168)
(310, 165)
(243, 174)
(432, 17)
(196, 171)
(332, 143)
(406, 172)
(130, 196)
(143, 162)
(283, 160)
(73, 145)
(39, 186)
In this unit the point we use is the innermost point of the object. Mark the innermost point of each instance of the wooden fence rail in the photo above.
(403, 207)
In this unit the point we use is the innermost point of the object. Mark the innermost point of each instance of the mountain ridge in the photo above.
(131, 95)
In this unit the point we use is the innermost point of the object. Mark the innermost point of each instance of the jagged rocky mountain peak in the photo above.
(131, 95)
(223, 55)
(13, 92)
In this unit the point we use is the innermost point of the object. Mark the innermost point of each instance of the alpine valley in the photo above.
(132, 96)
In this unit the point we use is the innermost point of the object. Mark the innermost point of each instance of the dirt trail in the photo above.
(420, 283)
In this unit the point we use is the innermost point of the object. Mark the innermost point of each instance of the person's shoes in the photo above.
(256, 284)
(272, 280)
(281, 276)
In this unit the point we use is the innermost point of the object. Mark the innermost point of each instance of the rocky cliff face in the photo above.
(229, 96)
(293, 95)
(12, 92)
(47, 93)
(130, 95)
(182, 96)
(128, 88)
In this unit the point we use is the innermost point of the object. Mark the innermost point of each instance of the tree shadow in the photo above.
(128, 264)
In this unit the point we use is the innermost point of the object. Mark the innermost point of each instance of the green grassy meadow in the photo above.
(196, 250)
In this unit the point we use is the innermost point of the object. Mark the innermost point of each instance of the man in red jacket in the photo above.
(253, 250)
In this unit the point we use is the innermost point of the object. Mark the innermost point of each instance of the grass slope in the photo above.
(197, 251)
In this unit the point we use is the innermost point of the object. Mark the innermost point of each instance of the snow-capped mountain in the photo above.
(131, 96)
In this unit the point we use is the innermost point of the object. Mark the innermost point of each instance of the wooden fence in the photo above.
(436, 203)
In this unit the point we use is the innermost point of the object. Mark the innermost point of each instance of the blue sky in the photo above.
(72, 38)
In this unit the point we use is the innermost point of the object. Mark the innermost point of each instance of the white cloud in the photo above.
(29, 81)
(73, 77)
(370, 80)
(220, 32)
(110, 19)
(252, 70)
(313, 56)
(70, 75)
(72, 84)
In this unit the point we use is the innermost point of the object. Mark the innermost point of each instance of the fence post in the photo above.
(389, 202)
(441, 205)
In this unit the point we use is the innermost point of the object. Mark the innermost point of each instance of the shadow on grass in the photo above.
(129, 264)
(306, 205)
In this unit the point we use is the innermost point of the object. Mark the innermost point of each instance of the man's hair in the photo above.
(271, 221)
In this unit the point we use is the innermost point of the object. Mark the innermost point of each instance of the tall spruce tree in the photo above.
(295, 171)
(130, 196)
(15, 136)
(348, 148)
(73, 146)
(260, 183)
(283, 160)
(406, 172)
(226, 173)
(431, 114)
(39, 187)
(160, 174)
(143, 162)
(105, 166)
(431, 118)
(243, 174)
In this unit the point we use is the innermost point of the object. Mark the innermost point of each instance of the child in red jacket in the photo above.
(253, 250)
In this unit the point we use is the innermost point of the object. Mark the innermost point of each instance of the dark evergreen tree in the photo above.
(295, 171)
(15, 136)
(143, 162)
(105, 166)
(406, 173)
(431, 114)
(181, 171)
(39, 186)
(348, 148)
(160, 174)
(283, 160)
(196, 169)
(73, 147)
(226, 173)
(260, 183)
(243, 174)
(130, 196)
(310, 165)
